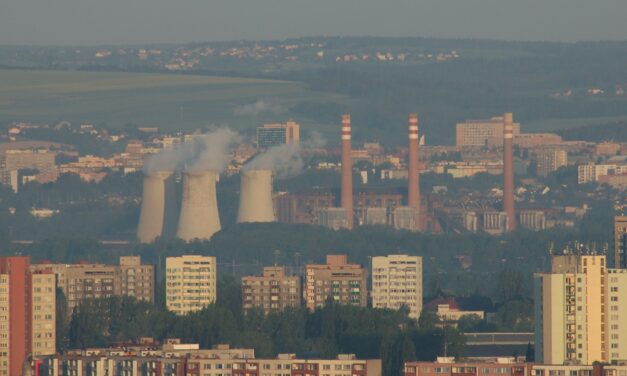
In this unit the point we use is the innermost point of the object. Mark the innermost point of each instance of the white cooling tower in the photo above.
(157, 203)
(255, 199)
(199, 217)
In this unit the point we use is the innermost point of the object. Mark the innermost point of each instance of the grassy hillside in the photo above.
(169, 101)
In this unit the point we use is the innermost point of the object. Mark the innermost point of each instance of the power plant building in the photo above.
(333, 218)
(273, 291)
(405, 218)
(93, 281)
(270, 135)
(489, 221)
(255, 200)
(376, 216)
(580, 311)
(28, 313)
(532, 219)
(397, 282)
(190, 282)
(338, 280)
(302, 207)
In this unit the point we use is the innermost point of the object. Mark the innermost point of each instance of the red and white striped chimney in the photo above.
(413, 176)
(508, 170)
(347, 170)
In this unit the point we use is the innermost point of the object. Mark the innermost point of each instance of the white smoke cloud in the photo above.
(259, 107)
(315, 140)
(285, 161)
(213, 150)
(203, 152)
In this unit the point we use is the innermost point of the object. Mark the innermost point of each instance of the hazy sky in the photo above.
(146, 21)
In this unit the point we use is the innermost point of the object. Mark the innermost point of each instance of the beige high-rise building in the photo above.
(190, 283)
(579, 316)
(274, 291)
(93, 281)
(397, 282)
(550, 160)
(482, 133)
(44, 313)
(338, 280)
(620, 242)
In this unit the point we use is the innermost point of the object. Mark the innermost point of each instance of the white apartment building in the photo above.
(190, 283)
(396, 282)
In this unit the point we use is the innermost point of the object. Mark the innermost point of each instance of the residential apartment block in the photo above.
(508, 367)
(580, 311)
(92, 281)
(27, 313)
(190, 283)
(338, 280)
(591, 172)
(445, 366)
(397, 282)
(550, 160)
(273, 291)
(185, 360)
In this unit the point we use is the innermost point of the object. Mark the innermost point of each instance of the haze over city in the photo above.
(313, 188)
(88, 22)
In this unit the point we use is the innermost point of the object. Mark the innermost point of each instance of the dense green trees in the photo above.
(326, 332)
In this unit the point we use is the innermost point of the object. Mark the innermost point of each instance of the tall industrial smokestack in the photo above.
(255, 199)
(158, 206)
(199, 209)
(347, 170)
(413, 189)
(508, 170)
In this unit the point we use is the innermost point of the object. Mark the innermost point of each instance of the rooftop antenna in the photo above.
(551, 247)
(277, 253)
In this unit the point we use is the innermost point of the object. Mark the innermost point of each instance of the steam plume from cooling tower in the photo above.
(284, 161)
(202, 152)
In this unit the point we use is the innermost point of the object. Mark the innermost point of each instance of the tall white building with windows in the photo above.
(190, 283)
(397, 282)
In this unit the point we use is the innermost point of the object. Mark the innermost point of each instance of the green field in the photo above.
(169, 101)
